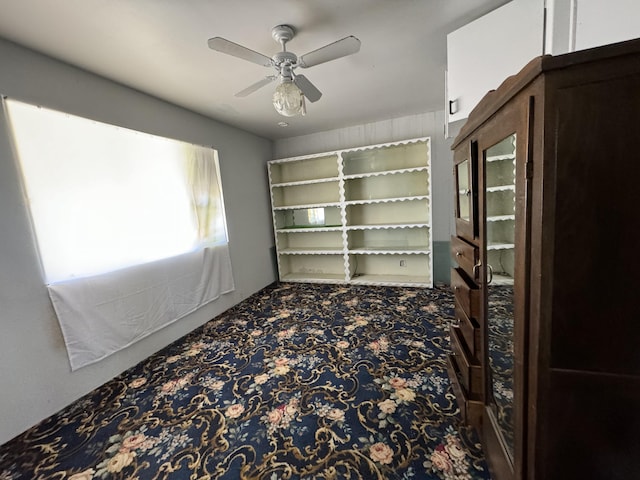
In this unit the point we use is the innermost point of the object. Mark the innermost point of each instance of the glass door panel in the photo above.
(464, 190)
(465, 174)
(500, 209)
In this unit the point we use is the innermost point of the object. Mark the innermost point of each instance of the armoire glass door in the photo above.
(499, 182)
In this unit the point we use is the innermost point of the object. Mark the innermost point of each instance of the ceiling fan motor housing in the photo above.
(285, 58)
(285, 62)
(282, 33)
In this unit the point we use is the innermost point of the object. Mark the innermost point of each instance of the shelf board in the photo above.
(364, 152)
(386, 200)
(327, 156)
(502, 188)
(310, 205)
(313, 278)
(317, 228)
(501, 218)
(501, 246)
(350, 176)
(311, 251)
(499, 158)
(305, 182)
(387, 226)
(390, 251)
(400, 280)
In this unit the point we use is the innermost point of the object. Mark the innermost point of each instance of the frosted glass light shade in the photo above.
(287, 99)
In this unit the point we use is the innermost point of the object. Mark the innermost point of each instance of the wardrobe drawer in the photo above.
(468, 366)
(470, 329)
(466, 292)
(470, 406)
(465, 254)
(458, 390)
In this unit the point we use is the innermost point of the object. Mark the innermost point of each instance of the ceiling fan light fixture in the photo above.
(294, 90)
(288, 99)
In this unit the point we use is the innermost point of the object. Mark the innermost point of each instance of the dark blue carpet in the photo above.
(300, 381)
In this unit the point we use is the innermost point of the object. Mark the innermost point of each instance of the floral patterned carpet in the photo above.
(300, 381)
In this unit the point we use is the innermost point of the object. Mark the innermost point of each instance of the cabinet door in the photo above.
(465, 177)
(503, 149)
(498, 237)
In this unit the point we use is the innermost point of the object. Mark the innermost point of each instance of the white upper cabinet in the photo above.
(580, 24)
(483, 53)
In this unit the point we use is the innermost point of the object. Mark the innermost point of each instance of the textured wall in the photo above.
(35, 374)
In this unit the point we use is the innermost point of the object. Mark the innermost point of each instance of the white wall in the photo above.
(600, 23)
(35, 375)
(581, 24)
(481, 54)
(422, 125)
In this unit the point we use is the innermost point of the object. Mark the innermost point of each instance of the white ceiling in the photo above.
(160, 47)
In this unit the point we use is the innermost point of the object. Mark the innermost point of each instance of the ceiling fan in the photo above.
(292, 90)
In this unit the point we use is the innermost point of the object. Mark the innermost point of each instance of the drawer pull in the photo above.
(459, 254)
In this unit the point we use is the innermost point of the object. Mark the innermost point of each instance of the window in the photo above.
(103, 197)
(130, 227)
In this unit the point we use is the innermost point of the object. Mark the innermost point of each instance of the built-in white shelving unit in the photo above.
(358, 216)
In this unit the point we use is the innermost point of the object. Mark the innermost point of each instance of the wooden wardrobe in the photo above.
(546, 347)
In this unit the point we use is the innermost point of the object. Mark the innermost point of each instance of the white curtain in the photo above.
(206, 196)
(103, 314)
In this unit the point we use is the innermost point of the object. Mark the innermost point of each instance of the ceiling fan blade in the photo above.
(223, 45)
(341, 48)
(308, 89)
(259, 84)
